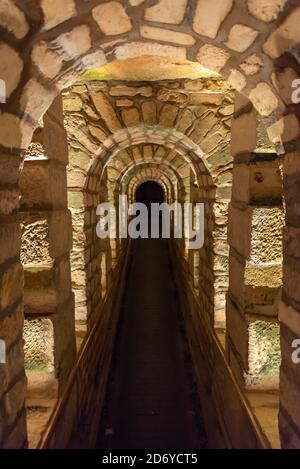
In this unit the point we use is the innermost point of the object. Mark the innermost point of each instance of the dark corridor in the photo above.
(150, 401)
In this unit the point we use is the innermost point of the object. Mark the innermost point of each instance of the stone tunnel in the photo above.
(135, 342)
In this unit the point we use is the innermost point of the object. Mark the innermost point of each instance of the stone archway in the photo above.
(254, 48)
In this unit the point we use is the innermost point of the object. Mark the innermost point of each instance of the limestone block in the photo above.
(130, 117)
(112, 18)
(72, 104)
(149, 112)
(53, 132)
(263, 99)
(36, 99)
(47, 61)
(284, 130)
(168, 115)
(13, 19)
(203, 126)
(237, 80)
(136, 3)
(257, 343)
(11, 66)
(212, 57)
(94, 59)
(74, 43)
(60, 232)
(185, 120)
(241, 37)
(56, 12)
(243, 133)
(98, 133)
(76, 201)
(209, 16)
(172, 96)
(285, 36)
(239, 229)
(39, 344)
(79, 159)
(124, 103)
(76, 179)
(159, 34)
(138, 49)
(252, 64)
(266, 239)
(266, 10)
(164, 12)
(43, 185)
(106, 111)
(45, 236)
(262, 289)
(204, 97)
(227, 110)
(79, 138)
(124, 90)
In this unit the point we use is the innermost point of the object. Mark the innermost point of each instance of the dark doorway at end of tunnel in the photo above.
(150, 192)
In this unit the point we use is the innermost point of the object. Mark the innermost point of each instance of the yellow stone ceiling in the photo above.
(138, 69)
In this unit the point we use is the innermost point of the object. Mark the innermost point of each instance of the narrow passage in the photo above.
(150, 401)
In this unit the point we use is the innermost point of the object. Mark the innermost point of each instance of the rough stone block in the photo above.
(43, 185)
(209, 16)
(112, 18)
(164, 12)
(56, 12)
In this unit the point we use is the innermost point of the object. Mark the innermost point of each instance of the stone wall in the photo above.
(255, 263)
(152, 115)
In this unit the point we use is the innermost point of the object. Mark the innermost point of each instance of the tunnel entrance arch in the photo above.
(53, 38)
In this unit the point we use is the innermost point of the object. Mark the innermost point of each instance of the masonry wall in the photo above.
(199, 110)
(44, 49)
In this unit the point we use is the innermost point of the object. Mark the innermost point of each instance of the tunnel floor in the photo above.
(150, 402)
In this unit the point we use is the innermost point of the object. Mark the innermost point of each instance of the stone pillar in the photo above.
(289, 309)
(12, 376)
(255, 261)
(49, 329)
